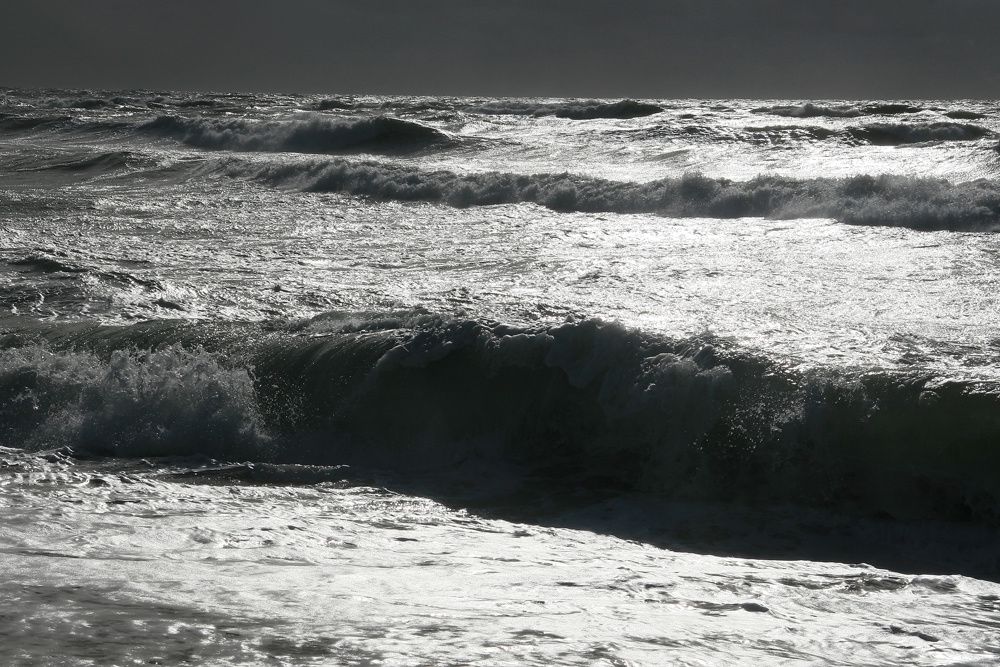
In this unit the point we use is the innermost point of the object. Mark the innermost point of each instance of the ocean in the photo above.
(363, 380)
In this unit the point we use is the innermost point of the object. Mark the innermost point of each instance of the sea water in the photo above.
(370, 380)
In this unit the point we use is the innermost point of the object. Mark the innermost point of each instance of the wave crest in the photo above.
(315, 134)
(897, 201)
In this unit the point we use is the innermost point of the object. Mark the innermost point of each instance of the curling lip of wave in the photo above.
(314, 134)
(897, 201)
(687, 418)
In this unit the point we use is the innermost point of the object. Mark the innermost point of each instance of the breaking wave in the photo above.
(897, 201)
(315, 134)
(587, 400)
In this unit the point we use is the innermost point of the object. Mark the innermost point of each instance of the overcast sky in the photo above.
(588, 48)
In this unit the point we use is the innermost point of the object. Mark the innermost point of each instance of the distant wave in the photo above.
(44, 263)
(797, 132)
(623, 109)
(101, 162)
(586, 400)
(890, 109)
(201, 103)
(810, 110)
(877, 134)
(813, 110)
(19, 123)
(88, 103)
(962, 114)
(315, 134)
(55, 262)
(898, 201)
(575, 111)
(893, 134)
(334, 103)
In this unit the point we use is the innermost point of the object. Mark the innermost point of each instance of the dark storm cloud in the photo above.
(639, 48)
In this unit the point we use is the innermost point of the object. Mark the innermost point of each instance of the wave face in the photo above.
(586, 401)
(315, 134)
(895, 201)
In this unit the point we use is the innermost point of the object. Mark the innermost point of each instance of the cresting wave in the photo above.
(314, 134)
(897, 201)
(585, 402)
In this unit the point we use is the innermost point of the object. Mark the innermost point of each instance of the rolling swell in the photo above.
(587, 401)
(316, 134)
(896, 201)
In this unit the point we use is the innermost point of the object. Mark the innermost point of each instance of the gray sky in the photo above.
(599, 48)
